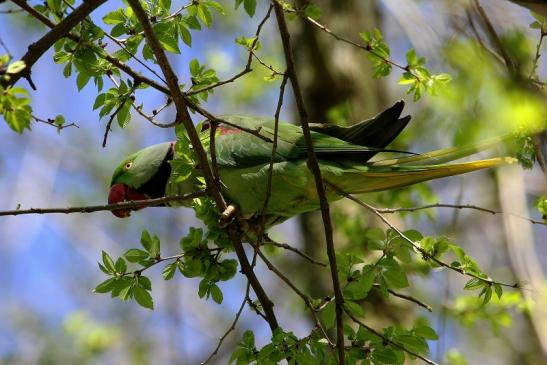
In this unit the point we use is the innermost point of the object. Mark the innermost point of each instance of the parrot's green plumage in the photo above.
(243, 162)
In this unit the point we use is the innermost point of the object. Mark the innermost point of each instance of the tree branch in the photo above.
(96, 208)
(38, 48)
(183, 117)
(391, 342)
(454, 206)
(313, 165)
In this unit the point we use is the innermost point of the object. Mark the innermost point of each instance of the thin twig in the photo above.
(234, 322)
(313, 165)
(454, 206)
(295, 250)
(407, 297)
(96, 208)
(388, 340)
(494, 38)
(10, 11)
(110, 120)
(274, 149)
(51, 122)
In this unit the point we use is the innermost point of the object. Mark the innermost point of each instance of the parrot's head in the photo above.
(143, 175)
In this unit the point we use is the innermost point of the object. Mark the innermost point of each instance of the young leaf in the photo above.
(143, 297)
(216, 293)
(169, 271)
(105, 286)
(135, 255)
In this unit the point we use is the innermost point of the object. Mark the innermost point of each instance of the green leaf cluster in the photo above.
(15, 108)
(419, 78)
(201, 78)
(283, 346)
(379, 52)
(117, 99)
(123, 284)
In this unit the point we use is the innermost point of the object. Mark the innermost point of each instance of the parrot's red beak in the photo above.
(120, 193)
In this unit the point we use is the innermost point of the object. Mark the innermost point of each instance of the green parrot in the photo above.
(243, 161)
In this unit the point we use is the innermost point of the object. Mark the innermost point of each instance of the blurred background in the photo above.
(48, 263)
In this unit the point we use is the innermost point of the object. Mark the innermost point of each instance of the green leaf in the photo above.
(249, 339)
(135, 255)
(250, 7)
(194, 67)
(184, 33)
(151, 244)
(167, 37)
(204, 286)
(486, 293)
(192, 240)
(122, 284)
(114, 17)
(216, 293)
(328, 315)
(474, 284)
(143, 297)
(121, 266)
(426, 332)
(106, 286)
(204, 14)
(312, 11)
(499, 290)
(354, 308)
(108, 263)
(144, 282)
(126, 292)
(169, 271)
(124, 114)
(59, 120)
(384, 356)
(82, 80)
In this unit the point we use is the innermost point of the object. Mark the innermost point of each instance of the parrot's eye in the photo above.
(128, 165)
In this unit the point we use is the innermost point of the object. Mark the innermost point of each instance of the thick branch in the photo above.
(313, 165)
(38, 48)
(183, 117)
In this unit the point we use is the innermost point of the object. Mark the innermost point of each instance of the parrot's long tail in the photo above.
(377, 178)
(443, 155)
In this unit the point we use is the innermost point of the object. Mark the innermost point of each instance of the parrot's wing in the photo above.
(237, 147)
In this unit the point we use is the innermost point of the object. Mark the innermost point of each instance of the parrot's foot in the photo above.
(228, 216)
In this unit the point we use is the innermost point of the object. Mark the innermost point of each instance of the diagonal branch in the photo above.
(313, 165)
(38, 48)
(391, 342)
(183, 117)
